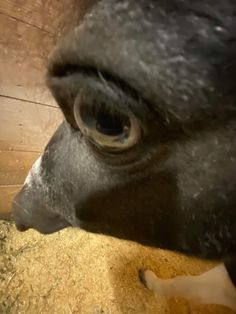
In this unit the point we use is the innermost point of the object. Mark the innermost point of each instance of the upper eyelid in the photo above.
(104, 75)
(71, 79)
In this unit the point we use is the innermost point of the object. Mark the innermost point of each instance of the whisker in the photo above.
(18, 205)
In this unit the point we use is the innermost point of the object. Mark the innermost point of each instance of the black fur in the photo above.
(173, 64)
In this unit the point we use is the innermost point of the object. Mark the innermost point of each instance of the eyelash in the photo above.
(96, 108)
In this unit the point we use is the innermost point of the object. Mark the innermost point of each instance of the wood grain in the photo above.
(45, 15)
(51, 16)
(15, 165)
(24, 54)
(26, 126)
(29, 31)
(7, 193)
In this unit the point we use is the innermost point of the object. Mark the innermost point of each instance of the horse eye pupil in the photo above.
(109, 124)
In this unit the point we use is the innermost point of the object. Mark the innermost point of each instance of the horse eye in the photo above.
(110, 124)
(107, 128)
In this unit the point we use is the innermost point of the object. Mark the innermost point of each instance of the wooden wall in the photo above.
(28, 114)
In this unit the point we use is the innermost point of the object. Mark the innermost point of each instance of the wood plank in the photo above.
(15, 165)
(50, 16)
(24, 54)
(26, 126)
(7, 193)
(46, 15)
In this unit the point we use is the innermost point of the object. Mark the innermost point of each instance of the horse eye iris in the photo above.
(107, 128)
(109, 124)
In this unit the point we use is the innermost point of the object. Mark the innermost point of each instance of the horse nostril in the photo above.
(20, 216)
(21, 227)
(29, 213)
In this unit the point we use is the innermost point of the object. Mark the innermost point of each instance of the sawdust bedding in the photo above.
(73, 271)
